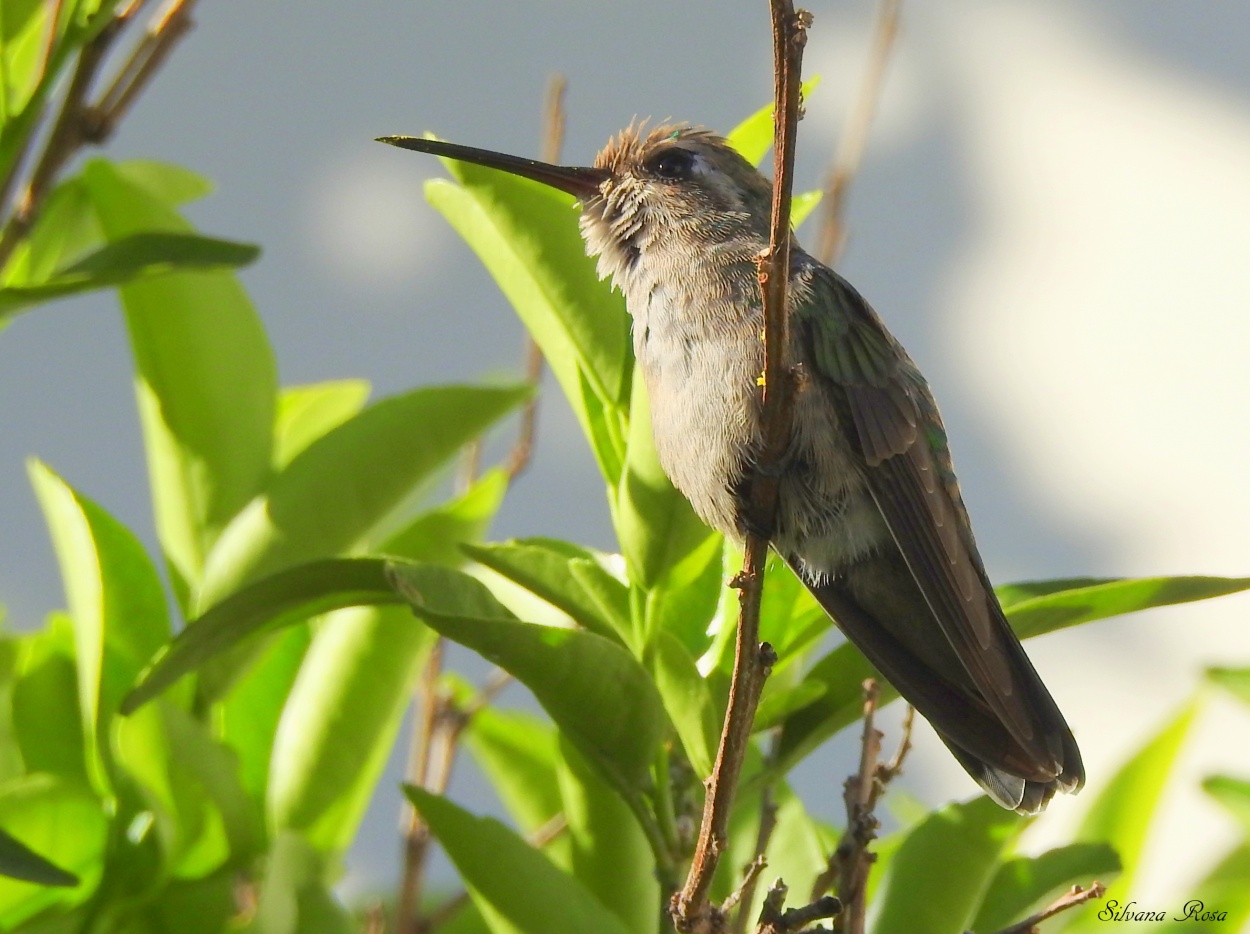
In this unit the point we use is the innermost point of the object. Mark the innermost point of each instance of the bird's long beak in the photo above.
(580, 181)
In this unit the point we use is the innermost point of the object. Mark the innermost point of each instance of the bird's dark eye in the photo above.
(672, 164)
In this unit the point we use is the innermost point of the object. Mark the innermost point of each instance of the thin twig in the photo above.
(553, 144)
(79, 122)
(168, 27)
(416, 831)
(690, 907)
(773, 920)
(768, 823)
(1069, 899)
(854, 138)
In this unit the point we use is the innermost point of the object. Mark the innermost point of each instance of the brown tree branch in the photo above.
(1070, 899)
(850, 864)
(690, 907)
(79, 122)
(854, 138)
(775, 920)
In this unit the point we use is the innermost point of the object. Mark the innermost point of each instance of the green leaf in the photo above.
(341, 720)
(281, 599)
(47, 716)
(295, 896)
(247, 717)
(1123, 812)
(63, 822)
(115, 599)
(335, 494)
(1221, 901)
(688, 700)
(543, 566)
(936, 879)
(439, 534)
(841, 673)
(1234, 680)
(515, 886)
(526, 236)
(1024, 884)
(519, 753)
(64, 229)
(18, 861)
(1233, 793)
(601, 698)
(802, 205)
(165, 181)
(305, 413)
(1100, 599)
(610, 853)
(753, 137)
(206, 382)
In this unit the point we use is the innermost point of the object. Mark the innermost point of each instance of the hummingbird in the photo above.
(870, 516)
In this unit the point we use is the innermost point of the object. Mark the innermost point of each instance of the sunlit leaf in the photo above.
(340, 721)
(282, 598)
(18, 861)
(1024, 884)
(935, 880)
(602, 699)
(515, 886)
(305, 413)
(753, 137)
(206, 381)
(622, 874)
(1123, 812)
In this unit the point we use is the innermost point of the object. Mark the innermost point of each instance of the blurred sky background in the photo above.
(1053, 216)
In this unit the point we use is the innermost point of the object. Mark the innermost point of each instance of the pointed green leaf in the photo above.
(340, 721)
(206, 382)
(602, 699)
(247, 717)
(64, 229)
(305, 413)
(519, 753)
(439, 534)
(18, 861)
(802, 206)
(1234, 680)
(609, 853)
(1025, 884)
(173, 184)
(115, 599)
(1233, 793)
(526, 235)
(1122, 814)
(61, 821)
(688, 700)
(283, 598)
(543, 567)
(295, 897)
(335, 494)
(1220, 903)
(935, 881)
(538, 267)
(753, 137)
(1099, 600)
(515, 886)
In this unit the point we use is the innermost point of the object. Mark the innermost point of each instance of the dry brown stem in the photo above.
(690, 907)
(1069, 899)
(850, 864)
(854, 138)
(79, 122)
